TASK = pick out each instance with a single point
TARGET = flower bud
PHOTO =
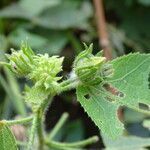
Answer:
(21, 61)
(45, 70)
(88, 67)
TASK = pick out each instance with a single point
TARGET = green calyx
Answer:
(91, 69)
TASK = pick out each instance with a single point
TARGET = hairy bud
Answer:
(21, 61)
(91, 69)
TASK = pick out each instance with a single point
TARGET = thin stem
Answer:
(62, 148)
(19, 121)
(74, 42)
(102, 28)
(70, 86)
(68, 81)
(33, 131)
(73, 144)
(21, 143)
(12, 97)
(40, 130)
(58, 126)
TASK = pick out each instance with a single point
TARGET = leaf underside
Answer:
(131, 79)
(7, 140)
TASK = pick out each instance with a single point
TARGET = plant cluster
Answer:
(92, 76)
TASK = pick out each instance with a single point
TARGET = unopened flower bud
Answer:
(88, 67)
(21, 61)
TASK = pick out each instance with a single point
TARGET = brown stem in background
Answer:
(102, 29)
(104, 39)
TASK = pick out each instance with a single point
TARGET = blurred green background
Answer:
(59, 27)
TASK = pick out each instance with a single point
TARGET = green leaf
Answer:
(51, 14)
(14, 11)
(101, 111)
(26, 8)
(3, 43)
(144, 2)
(66, 14)
(35, 41)
(7, 139)
(126, 143)
(40, 5)
(51, 43)
(131, 77)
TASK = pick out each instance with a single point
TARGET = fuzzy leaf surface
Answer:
(131, 79)
(101, 111)
(7, 139)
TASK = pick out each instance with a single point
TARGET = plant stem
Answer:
(58, 126)
(74, 42)
(16, 102)
(70, 86)
(73, 144)
(21, 143)
(68, 81)
(40, 130)
(19, 121)
(33, 131)
(102, 28)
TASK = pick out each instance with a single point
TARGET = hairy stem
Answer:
(33, 131)
(58, 126)
(19, 121)
(70, 86)
(40, 130)
(68, 81)
(73, 144)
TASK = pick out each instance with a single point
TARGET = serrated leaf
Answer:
(7, 139)
(101, 111)
(131, 78)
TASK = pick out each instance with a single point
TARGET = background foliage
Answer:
(59, 27)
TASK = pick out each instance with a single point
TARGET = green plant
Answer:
(102, 87)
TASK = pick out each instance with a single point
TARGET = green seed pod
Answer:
(88, 67)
